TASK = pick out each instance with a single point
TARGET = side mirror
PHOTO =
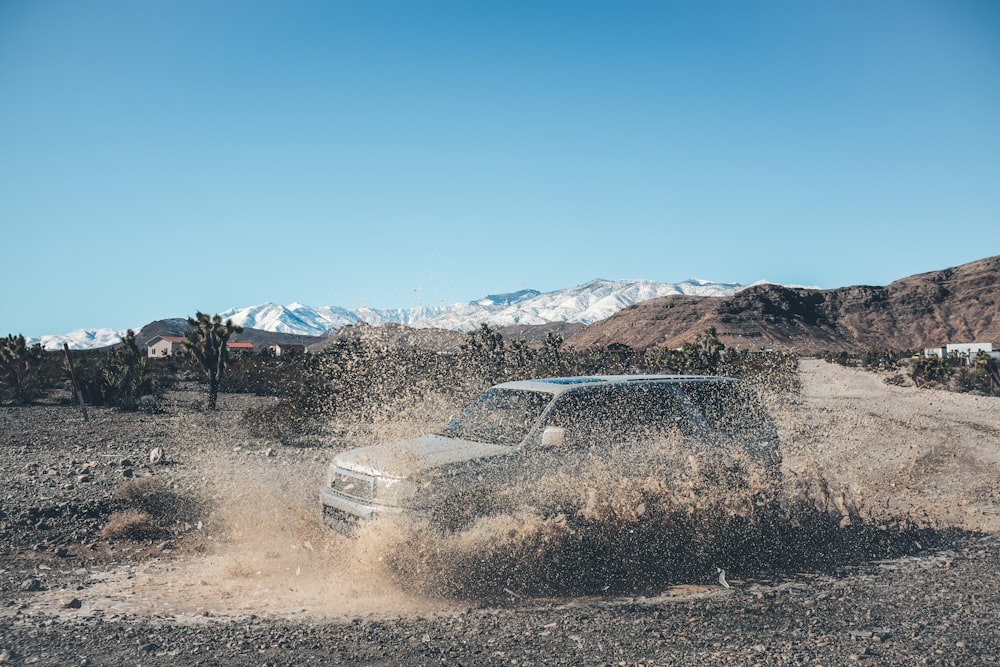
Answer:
(553, 437)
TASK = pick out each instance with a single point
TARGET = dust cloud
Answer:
(261, 551)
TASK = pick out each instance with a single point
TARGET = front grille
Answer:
(357, 486)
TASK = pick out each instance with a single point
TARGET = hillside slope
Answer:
(957, 304)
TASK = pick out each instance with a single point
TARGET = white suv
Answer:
(517, 430)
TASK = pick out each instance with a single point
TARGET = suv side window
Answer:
(728, 407)
(619, 415)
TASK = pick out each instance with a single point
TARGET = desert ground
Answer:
(248, 574)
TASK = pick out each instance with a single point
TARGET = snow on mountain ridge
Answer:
(595, 300)
(80, 339)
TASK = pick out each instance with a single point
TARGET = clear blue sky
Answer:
(158, 158)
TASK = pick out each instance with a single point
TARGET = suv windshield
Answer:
(499, 417)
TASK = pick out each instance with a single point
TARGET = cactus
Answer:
(205, 340)
(125, 375)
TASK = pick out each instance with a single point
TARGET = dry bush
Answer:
(148, 503)
(133, 525)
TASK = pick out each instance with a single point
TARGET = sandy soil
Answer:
(257, 579)
(897, 451)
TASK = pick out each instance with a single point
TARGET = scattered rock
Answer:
(32, 584)
(156, 456)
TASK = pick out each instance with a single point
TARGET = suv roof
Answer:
(559, 385)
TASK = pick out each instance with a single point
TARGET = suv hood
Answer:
(407, 457)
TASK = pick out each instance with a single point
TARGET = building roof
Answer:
(171, 339)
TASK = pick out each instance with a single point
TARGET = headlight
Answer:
(354, 485)
(396, 491)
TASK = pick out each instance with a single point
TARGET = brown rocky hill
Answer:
(956, 305)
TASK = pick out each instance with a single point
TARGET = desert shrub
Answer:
(928, 371)
(125, 377)
(133, 525)
(954, 374)
(896, 380)
(872, 358)
(147, 509)
(20, 366)
(841, 358)
(882, 358)
(972, 379)
(120, 377)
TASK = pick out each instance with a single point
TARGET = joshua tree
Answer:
(705, 352)
(553, 349)
(19, 365)
(205, 340)
(485, 351)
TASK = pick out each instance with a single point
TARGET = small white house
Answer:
(164, 346)
(168, 346)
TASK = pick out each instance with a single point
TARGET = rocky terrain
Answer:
(236, 567)
(955, 305)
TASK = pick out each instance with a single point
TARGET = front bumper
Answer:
(345, 514)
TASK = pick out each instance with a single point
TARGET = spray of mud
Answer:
(621, 530)
(616, 524)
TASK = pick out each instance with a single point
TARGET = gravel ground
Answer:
(251, 577)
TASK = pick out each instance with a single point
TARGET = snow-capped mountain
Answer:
(81, 339)
(295, 318)
(593, 301)
(590, 302)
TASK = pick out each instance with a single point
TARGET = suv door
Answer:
(618, 415)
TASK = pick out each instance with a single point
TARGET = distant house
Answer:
(168, 346)
(964, 351)
(281, 349)
(164, 346)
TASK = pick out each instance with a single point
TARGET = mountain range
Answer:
(583, 304)
(953, 305)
